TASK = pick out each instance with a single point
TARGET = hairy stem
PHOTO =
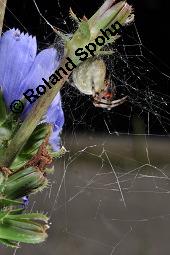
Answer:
(2, 13)
(31, 121)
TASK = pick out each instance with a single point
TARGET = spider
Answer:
(89, 78)
(105, 99)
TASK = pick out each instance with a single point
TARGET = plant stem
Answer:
(2, 13)
(31, 121)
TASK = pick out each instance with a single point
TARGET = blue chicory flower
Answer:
(21, 68)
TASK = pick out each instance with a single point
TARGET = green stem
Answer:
(2, 13)
(84, 34)
(31, 121)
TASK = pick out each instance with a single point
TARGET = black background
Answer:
(152, 21)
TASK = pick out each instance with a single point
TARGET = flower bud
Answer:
(108, 14)
(23, 182)
(27, 228)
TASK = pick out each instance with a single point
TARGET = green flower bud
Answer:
(27, 228)
(108, 14)
(23, 182)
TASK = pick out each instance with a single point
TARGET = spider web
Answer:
(110, 193)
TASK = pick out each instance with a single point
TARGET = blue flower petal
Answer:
(46, 62)
(17, 54)
(55, 116)
(21, 69)
(44, 65)
(55, 140)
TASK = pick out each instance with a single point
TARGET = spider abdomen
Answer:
(90, 74)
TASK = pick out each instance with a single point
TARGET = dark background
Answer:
(152, 21)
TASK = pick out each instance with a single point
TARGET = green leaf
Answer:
(30, 216)
(2, 178)
(84, 30)
(9, 243)
(3, 110)
(32, 145)
(8, 127)
(8, 202)
(58, 154)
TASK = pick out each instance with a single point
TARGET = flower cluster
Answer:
(22, 68)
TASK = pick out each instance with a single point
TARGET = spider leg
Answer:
(118, 101)
(103, 103)
(100, 105)
(99, 100)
